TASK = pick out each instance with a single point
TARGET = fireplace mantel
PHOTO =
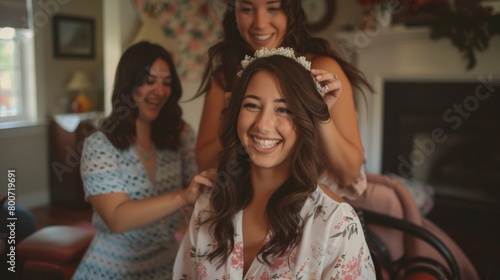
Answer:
(405, 54)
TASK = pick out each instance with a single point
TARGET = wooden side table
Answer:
(66, 136)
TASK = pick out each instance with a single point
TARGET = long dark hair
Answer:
(233, 191)
(131, 73)
(224, 57)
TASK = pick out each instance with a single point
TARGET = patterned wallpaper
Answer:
(185, 28)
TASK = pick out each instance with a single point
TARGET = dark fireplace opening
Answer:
(446, 134)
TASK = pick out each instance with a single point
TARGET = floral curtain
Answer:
(186, 28)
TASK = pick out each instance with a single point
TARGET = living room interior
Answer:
(431, 119)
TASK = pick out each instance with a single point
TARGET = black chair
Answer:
(406, 266)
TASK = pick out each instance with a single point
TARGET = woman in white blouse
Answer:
(266, 217)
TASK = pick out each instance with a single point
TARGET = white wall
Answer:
(25, 150)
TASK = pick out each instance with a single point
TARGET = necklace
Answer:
(144, 154)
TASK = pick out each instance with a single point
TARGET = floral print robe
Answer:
(333, 246)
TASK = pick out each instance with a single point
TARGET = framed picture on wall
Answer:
(74, 37)
(319, 13)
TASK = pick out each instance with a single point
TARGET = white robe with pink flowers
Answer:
(333, 246)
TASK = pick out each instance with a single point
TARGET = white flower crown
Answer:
(288, 52)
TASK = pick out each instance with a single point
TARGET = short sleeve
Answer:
(189, 165)
(99, 166)
(351, 191)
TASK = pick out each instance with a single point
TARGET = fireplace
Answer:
(446, 134)
(417, 81)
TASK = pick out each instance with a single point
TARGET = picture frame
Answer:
(74, 37)
(319, 13)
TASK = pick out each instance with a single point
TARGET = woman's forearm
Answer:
(340, 136)
(344, 159)
(121, 214)
(208, 145)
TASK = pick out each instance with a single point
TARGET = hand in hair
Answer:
(332, 81)
(324, 78)
(195, 187)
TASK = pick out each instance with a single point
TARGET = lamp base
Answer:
(81, 103)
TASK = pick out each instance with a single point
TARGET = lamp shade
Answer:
(79, 82)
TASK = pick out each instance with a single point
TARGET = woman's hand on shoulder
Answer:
(204, 179)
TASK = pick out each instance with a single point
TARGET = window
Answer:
(10, 72)
(17, 94)
(17, 71)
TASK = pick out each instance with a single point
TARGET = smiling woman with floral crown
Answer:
(266, 217)
(254, 24)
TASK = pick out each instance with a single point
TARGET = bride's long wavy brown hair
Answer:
(233, 190)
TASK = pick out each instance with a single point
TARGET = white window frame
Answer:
(24, 78)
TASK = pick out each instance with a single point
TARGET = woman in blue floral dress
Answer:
(138, 171)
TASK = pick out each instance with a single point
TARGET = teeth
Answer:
(265, 144)
(262, 37)
(151, 102)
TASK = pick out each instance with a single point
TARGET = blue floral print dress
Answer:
(147, 252)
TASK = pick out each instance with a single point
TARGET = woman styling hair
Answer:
(253, 24)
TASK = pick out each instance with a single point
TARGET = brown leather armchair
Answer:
(54, 252)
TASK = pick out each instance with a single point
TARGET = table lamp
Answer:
(80, 83)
